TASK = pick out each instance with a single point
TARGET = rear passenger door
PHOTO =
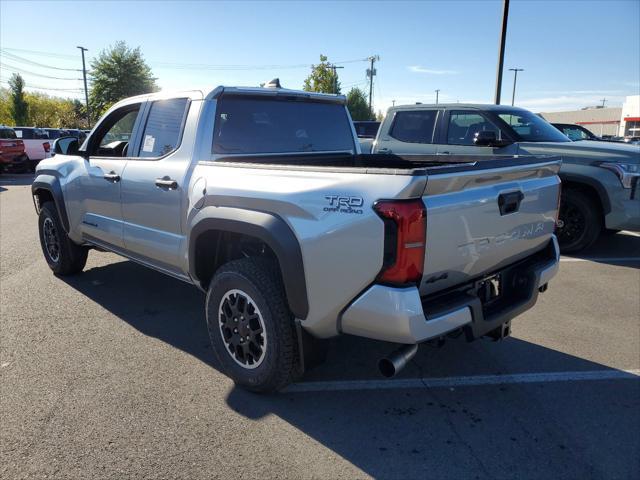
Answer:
(411, 132)
(153, 186)
(459, 128)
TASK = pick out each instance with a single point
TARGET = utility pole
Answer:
(515, 79)
(603, 100)
(335, 78)
(393, 103)
(86, 92)
(503, 39)
(371, 72)
(437, 95)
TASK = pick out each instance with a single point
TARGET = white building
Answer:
(630, 119)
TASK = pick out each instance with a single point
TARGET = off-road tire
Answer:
(71, 258)
(580, 220)
(260, 280)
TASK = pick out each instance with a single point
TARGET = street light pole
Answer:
(503, 39)
(86, 92)
(437, 95)
(515, 80)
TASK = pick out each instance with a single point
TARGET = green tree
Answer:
(358, 105)
(322, 78)
(118, 72)
(19, 108)
(5, 107)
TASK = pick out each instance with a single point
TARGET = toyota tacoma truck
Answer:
(600, 180)
(261, 198)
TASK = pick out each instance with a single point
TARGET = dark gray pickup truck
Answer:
(599, 179)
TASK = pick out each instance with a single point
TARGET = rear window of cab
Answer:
(253, 125)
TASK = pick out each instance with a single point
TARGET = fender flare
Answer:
(51, 184)
(273, 231)
(591, 182)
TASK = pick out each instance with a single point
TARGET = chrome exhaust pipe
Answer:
(390, 365)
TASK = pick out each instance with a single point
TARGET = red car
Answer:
(12, 154)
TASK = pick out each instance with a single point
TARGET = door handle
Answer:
(384, 150)
(444, 153)
(111, 177)
(509, 202)
(166, 182)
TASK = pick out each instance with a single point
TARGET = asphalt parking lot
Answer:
(109, 374)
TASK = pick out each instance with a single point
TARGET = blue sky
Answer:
(574, 52)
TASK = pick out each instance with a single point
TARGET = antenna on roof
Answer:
(275, 83)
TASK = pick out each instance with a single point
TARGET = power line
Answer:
(16, 58)
(39, 87)
(206, 66)
(199, 66)
(36, 52)
(28, 72)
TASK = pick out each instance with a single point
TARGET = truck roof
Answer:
(215, 92)
(450, 106)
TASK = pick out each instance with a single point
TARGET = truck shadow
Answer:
(443, 433)
(11, 179)
(609, 248)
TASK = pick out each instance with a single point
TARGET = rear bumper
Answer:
(399, 314)
(15, 162)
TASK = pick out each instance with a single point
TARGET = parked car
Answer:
(576, 132)
(12, 156)
(366, 132)
(259, 197)
(36, 144)
(79, 134)
(599, 179)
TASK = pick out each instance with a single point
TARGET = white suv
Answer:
(36, 144)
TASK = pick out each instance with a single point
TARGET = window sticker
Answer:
(149, 142)
(19, 133)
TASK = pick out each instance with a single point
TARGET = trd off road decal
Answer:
(344, 204)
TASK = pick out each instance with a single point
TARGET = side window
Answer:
(463, 127)
(164, 127)
(414, 126)
(113, 134)
(574, 133)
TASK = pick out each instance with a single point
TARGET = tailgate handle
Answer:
(510, 202)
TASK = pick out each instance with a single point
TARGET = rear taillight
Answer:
(405, 235)
(47, 147)
(558, 207)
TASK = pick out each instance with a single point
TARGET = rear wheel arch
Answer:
(236, 233)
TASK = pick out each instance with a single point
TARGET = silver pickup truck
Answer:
(261, 198)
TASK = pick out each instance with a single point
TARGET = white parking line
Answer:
(450, 382)
(601, 259)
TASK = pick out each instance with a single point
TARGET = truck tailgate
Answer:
(482, 218)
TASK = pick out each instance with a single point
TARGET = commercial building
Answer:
(616, 121)
(630, 122)
(600, 121)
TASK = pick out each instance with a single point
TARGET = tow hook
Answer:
(543, 288)
(390, 365)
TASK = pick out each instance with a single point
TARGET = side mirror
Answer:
(66, 146)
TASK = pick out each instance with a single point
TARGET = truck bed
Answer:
(381, 163)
